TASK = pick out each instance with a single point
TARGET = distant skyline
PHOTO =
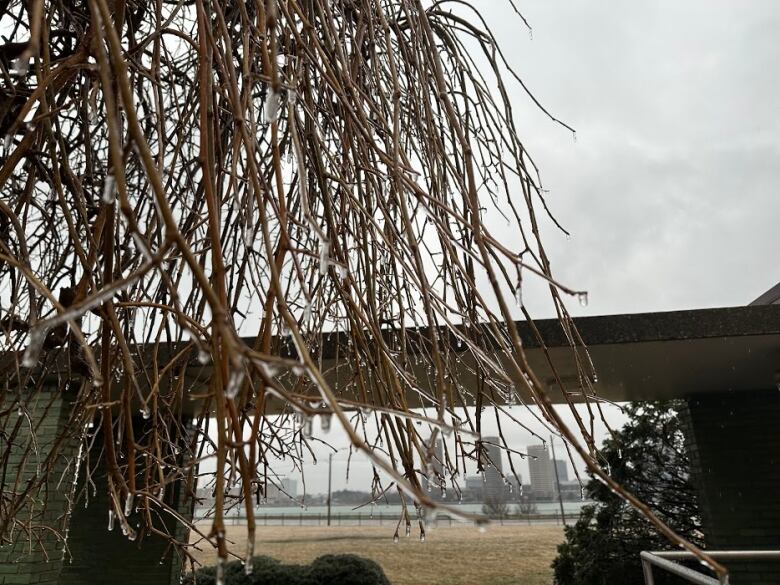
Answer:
(358, 477)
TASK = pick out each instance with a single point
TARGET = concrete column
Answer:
(734, 445)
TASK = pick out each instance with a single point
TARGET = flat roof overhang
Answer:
(645, 356)
(654, 356)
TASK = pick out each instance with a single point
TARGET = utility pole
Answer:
(557, 480)
(330, 474)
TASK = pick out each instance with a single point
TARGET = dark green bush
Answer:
(647, 457)
(345, 570)
(325, 570)
(265, 571)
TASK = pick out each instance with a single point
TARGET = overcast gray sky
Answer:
(671, 189)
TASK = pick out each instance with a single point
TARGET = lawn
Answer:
(461, 555)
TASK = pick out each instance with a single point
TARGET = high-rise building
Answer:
(563, 470)
(541, 471)
(290, 486)
(493, 489)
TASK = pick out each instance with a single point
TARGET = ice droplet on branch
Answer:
(324, 257)
(20, 66)
(129, 504)
(33, 352)
(109, 190)
(234, 384)
(272, 107)
(326, 421)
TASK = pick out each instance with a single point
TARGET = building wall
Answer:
(93, 554)
(563, 470)
(100, 557)
(35, 551)
(541, 471)
(734, 444)
(493, 488)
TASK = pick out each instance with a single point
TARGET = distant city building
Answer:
(541, 471)
(285, 490)
(474, 486)
(493, 489)
(563, 470)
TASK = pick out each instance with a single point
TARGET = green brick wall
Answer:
(95, 555)
(102, 557)
(34, 556)
(734, 443)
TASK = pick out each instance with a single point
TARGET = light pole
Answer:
(330, 477)
(557, 479)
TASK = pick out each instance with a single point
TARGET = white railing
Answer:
(667, 560)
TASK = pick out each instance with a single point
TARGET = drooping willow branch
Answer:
(277, 208)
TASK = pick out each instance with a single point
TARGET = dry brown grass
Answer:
(502, 555)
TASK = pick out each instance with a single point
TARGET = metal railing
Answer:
(367, 519)
(667, 560)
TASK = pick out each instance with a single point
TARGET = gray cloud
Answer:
(671, 188)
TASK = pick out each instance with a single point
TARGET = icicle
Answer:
(582, 297)
(325, 422)
(146, 413)
(33, 352)
(395, 538)
(324, 257)
(110, 520)
(234, 384)
(129, 504)
(204, 357)
(7, 142)
(272, 107)
(408, 530)
(109, 190)
(308, 427)
(248, 236)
